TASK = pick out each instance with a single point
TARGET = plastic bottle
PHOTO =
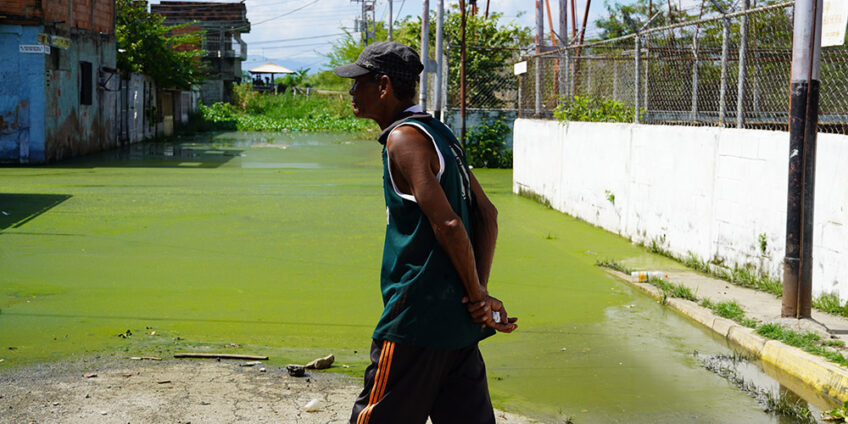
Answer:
(643, 276)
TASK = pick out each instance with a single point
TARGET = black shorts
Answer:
(406, 384)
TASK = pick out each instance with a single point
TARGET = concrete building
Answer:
(223, 24)
(58, 96)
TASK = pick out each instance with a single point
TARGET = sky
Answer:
(295, 33)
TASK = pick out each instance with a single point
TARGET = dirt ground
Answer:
(175, 391)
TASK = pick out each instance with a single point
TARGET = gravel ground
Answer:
(175, 391)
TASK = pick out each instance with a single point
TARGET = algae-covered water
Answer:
(270, 244)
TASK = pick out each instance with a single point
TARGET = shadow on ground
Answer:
(18, 209)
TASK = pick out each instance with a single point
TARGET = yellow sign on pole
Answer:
(834, 21)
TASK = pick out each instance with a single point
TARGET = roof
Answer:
(270, 68)
(176, 12)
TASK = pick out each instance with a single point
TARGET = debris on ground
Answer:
(89, 375)
(219, 356)
(145, 358)
(321, 363)
(296, 370)
(314, 405)
(251, 363)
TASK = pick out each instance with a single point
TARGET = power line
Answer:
(292, 46)
(296, 39)
(285, 14)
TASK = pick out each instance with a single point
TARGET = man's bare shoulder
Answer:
(407, 136)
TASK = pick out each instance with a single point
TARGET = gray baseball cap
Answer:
(384, 57)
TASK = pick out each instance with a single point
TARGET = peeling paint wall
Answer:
(73, 128)
(21, 96)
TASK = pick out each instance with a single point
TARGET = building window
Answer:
(86, 83)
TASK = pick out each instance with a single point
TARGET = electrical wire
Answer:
(296, 39)
(285, 14)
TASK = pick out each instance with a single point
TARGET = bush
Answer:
(590, 109)
(485, 146)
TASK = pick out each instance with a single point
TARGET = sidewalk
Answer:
(810, 373)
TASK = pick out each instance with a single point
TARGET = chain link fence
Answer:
(729, 69)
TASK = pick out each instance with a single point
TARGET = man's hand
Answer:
(481, 313)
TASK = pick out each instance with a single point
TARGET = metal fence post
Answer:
(743, 53)
(636, 57)
(538, 86)
(520, 89)
(647, 67)
(695, 63)
(562, 77)
(569, 76)
(725, 41)
(615, 80)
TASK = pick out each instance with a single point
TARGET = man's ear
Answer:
(385, 86)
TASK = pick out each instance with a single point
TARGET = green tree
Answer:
(492, 47)
(169, 55)
(615, 25)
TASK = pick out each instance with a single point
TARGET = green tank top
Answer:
(421, 289)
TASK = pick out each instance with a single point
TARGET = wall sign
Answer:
(834, 20)
(34, 49)
(519, 68)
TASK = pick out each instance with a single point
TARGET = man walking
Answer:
(440, 241)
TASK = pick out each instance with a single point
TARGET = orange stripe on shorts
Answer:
(380, 380)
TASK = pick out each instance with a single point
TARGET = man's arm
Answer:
(414, 165)
(485, 223)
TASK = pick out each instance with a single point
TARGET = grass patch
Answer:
(613, 264)
(729, 310)
(839, 415)
(808, 342)
(670, 289)
(740, 276)
(830, 303)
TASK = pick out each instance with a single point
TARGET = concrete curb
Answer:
(818, 373)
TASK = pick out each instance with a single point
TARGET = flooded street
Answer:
(271, 243)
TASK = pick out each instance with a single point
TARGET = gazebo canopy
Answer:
(270, 68)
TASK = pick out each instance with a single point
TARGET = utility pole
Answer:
(563, 23)
(540, 38)
(391, 20)
(462, 71)
(425, 52)
(803, 126)
(440, 17)
(367, 35)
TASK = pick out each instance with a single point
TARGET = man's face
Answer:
(366, 93)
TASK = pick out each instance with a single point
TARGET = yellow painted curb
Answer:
(814, 371)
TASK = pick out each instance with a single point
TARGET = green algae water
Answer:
(270, 244)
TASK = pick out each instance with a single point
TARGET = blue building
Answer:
(58, 82)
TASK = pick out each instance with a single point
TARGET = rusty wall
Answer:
(73, 127)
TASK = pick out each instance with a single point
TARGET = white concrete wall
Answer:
(708, 191)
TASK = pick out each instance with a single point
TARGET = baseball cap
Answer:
(384, 57)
